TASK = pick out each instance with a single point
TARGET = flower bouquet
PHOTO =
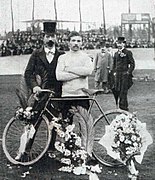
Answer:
(26, 114)
(73, 151)
(126, 139)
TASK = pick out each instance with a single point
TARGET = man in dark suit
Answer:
(123, 67)
(40, 70)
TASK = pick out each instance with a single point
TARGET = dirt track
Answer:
(141, 100)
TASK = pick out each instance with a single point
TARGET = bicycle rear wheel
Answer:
(11, 142)
(99, 151)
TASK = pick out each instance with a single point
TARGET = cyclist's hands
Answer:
(36, 90)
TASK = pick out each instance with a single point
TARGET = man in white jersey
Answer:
(73, 69)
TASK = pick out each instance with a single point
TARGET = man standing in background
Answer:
(102, 65)
(123, 67)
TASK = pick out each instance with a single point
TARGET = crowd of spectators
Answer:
(21, 43)
(25, 42)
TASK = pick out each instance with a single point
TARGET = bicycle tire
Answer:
(11, 142)
(99, 152)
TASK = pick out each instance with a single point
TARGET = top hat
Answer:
(49, 27)
(121, 39)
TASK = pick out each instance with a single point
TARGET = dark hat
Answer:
(121, 39)
(49, 27)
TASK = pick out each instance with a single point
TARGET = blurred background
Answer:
(102, 20)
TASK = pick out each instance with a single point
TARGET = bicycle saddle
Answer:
(92, 92)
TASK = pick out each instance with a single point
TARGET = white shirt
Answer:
(50, 53)
(73, 69)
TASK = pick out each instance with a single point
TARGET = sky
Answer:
(69, 10)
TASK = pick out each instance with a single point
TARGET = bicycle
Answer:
(37, 146)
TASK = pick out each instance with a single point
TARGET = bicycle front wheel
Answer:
(99, 151)
(11, 142)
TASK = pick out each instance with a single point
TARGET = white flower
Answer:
(78, 141)
(135, 144)
(20, 110)
(119, 131)
(60, 146)
(60, 133)
(67, 152)
(66, 161)
(67, 136)
(138, 139)
(66, 169)
(133, 138)
(70, 128)
(122, 138)
(128, 152)
(120, 117)
(127, 141)
(28, 109)
(27, 113)
(82, 153)
(79, 170)
(74, 134)
(83, 170)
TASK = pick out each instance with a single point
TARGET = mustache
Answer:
(50, 43)
(76, 46)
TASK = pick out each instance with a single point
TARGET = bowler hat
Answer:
(49, 27)
(121, 39)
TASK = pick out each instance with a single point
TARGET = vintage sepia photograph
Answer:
(77, 89)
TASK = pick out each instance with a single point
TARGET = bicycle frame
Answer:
(91, 99)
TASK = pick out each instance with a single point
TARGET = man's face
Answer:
(120, 45)
(49, 40)
(103, 49)
(75, 43)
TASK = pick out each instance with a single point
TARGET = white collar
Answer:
(47, 50)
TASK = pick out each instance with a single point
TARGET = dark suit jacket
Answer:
(124, 61)
(39, 72)
(121, 75)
